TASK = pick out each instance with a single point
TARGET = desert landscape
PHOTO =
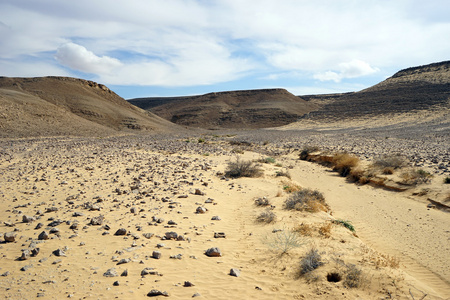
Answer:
(237, 194)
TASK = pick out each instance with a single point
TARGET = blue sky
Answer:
(142, 48)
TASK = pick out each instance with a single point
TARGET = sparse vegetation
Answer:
(283, 173)
(267, 217)
(239, 168)
(306, 200)
(290, 187)
(391, 162)
(267, 160)
(311, 261)
(201, 140)
(414, 177)
(353, 276)
(346, 224)
(284, 240)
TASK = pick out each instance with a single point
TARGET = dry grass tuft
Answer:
(310, 262)
(391, 162)
(290, 187)
(325, 230)
(263, 201)
(306, 200)
(304, 229)
(283, 173)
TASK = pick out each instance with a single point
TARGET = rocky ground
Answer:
(143, 216)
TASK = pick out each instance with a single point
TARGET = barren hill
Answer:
(48, 106)
(234, 109)
(413, 89)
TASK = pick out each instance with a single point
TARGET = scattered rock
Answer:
(235, 272)
(218, 235)
(124, 273)
(199, 192)
(148, 235)
(10, 237)
(188, 284)
(216, 218)
(59, 252)
(154, 293)
(28, 219)
(121, 231)
(111, 273)
(97, 220)
(124, 261)
(156, 254)
(171, 235)
(213, 252)
(116, 283)
(201, 210)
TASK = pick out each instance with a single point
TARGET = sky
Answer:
(149, 48)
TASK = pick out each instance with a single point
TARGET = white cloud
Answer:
(79, 58)
(353, 69)
(193, 42)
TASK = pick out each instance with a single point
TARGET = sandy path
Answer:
(388, 222)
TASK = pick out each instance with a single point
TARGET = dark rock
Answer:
(28, 219)
(59, 252)
(201, 210)
(219, 235)
(235, 272)
(97, 220)
(188, 284)
(10, 237)
(171, 235)
(111, 273)
(124, 261)
(156, 254)
(116, 283)
(154, 293)
(148, 235)
(121, 231)
(213, 252)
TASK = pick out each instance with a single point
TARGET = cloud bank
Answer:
(194, 42)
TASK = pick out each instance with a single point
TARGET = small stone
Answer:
(188, 284)
(196, 295)
(172, 222)
(124, 273)
(74, 226)
(235, 272)
(124, 261)
(171, 235)
(148, 235)
(156, 254)
(24, 268)
(160, 245)
(148, 271)
(116, 283)
(59, 252)
(110, 273)
(39, 226)
(97, 220)
(10, 237)
(154, 293)
(121, 231)
(218, 235)
(28, 219)
(216, 218)
(25, 254)
(213, 252)
(201, 210)
(6, 274)
(133, 210)
(199, 192)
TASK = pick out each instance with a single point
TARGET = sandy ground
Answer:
(155, 187)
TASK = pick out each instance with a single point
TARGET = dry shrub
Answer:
(310, 262)
(262, 202)
(304, 229)
(353, 276)
(306, 200)
(267, 217)
(358, 175)
(284, 240)
(380, 260)
(283, 173)
(392, 161)
(304, 154)
(239, 168)
(414, 177)
(325, 230)
(344, 163)
(388, 171)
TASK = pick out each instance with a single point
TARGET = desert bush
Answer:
(392, 161)
(239, 168)
(311, 261)
(262, 202)
(346, 224)
(201, 140)
(267, 160)
(306, 200)
(267, 216)
(325, 230)
(304, 229)
(414, 177)
(284, 240)
(344, 163)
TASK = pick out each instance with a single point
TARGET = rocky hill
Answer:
(413, 89)
(48, 106)
(234, 109)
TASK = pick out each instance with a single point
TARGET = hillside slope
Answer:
(234, 109)
(47, 106)
(413, 89)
